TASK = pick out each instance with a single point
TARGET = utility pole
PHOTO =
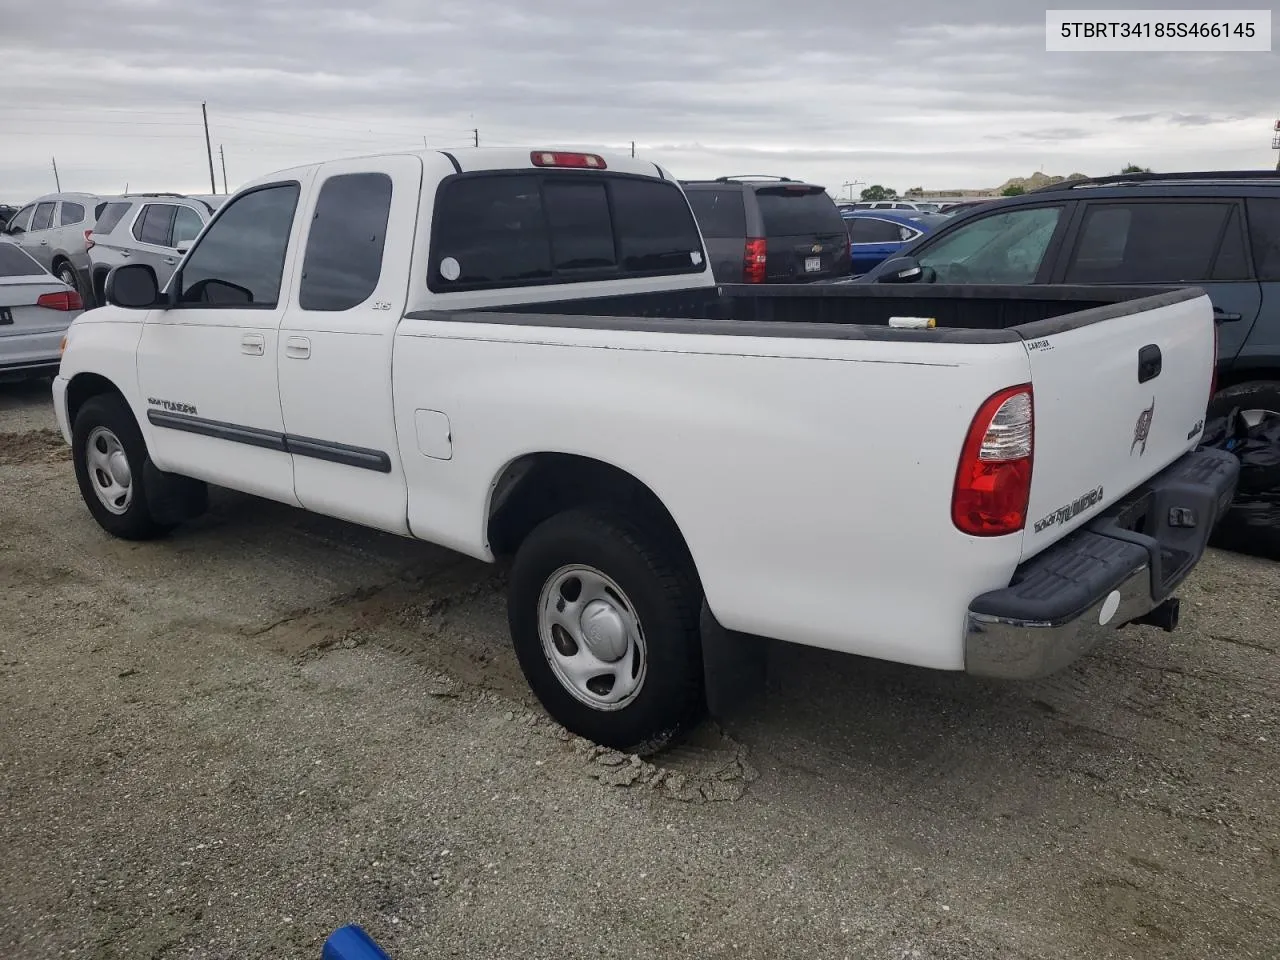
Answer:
(633, 148)
(208, 146)
(223, 157)
(56, 181)
(476, 137)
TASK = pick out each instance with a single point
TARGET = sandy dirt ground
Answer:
(230, 742)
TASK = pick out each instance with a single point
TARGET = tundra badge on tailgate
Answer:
(1142, 429)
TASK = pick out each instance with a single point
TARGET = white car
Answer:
(524, 354)
(36, 308)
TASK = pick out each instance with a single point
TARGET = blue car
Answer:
(876, 235)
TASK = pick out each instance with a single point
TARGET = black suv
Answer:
(1218, 231)
(769, 229)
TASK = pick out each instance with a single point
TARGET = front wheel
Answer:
(604, 619)
(110, 459)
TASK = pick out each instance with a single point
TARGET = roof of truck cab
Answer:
(471, 159)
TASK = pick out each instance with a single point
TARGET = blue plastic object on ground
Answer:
(352, 943)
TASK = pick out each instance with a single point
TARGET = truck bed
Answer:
(963, 313)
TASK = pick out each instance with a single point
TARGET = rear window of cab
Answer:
(522, 229)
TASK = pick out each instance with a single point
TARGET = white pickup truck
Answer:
(524, 355)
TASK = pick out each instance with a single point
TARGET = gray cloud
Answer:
(958, 96)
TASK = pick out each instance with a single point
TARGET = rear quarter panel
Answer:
(812, 479)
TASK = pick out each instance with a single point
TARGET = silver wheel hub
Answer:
(591, 637)
(1253, 418)
(603, 631)
(108, 468)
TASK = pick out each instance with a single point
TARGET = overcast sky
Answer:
(958, 94)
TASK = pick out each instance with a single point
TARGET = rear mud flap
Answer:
(735, 667)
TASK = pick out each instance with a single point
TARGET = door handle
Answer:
(44, 243)
(253, 344)
(1222, 316)
(1150, 363)
(297, 348)
(126, 254)
(170, 260)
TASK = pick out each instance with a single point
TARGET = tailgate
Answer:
(1116, 401)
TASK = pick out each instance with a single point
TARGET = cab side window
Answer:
(343, 261)
(239, 262)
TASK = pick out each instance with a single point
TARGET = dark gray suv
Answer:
(769, 229)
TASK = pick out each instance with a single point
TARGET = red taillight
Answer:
(754, 258)
(88, 239)
(554, 158)
(70, 300)
(993, 481)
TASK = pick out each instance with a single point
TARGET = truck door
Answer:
(336, 340)
(207, 364)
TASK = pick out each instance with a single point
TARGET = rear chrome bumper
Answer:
(1118, 568)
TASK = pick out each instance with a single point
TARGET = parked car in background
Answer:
(55, 230)
(890, 205)
(769, 229)
(6, 213)
(963, 206)
(875, 235)
(1218, 231)
(35, 310)
(149, 228)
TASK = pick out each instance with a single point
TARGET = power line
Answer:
(220, 118)
(92, 109)
(120, 123)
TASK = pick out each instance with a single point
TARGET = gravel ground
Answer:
(228, 743)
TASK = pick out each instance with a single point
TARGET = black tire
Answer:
(100, 289)
(67, 274)
(659, 583)
(1253, 395)
(111, 413)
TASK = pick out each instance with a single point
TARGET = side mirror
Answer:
(132, 286)
(903, 270)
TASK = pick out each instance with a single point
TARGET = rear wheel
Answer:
(67, 274)
(604, 619)
(111, 463)
(1257, 400)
